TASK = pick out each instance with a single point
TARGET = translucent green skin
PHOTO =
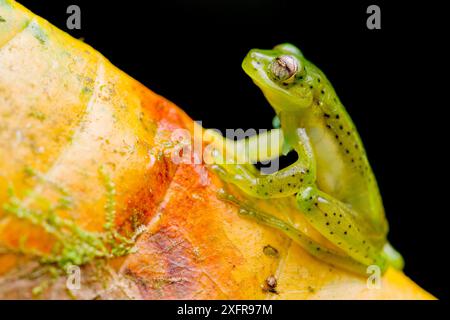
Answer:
(334, 184)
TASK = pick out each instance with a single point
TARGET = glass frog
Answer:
(332, 180)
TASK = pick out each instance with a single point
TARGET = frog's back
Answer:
(342, 166)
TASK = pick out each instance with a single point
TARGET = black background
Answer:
(191, 51)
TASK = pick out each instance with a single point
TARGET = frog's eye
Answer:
(284, 68)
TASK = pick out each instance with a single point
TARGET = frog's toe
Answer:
(226, 172)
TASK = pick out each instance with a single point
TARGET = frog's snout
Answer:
(256, 60)
(259, 57)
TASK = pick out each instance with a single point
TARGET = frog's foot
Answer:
(336, 221)
(242, 175)
(279, 184)
(393, 257)
(282, 183)
(317, 250)
(239, 170)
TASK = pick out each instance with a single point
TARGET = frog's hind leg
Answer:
(338, 223)
(317, 250)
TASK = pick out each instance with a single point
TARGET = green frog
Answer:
(334, 185)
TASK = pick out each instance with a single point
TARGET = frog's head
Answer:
(283, 75)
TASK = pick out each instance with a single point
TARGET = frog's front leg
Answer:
(338, 223)
(278, 184)
(262, 147)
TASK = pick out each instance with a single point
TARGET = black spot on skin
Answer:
(348, 133)
(318, 80)
(327, 223)
(338, 222)
(326, 115)
(325, 214)
(337, 116)
(311, 87)
(347, 151)
(345, 232)
(328, 126)
(341, 127)
(322, 92)
(281, 190)
(331, 232)
(349, 226)
(336, 136)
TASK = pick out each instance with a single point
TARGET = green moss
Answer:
(86, 90)
(37, 115)
(38, 290)
(73, 245)
(37, 32)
